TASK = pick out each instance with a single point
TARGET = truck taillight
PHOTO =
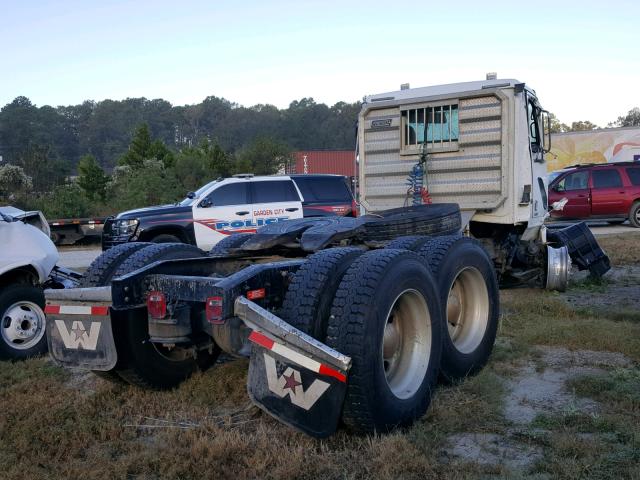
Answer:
(214, 310)
(354, 208)
(157, 304)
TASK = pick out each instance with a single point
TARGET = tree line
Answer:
(136, 152)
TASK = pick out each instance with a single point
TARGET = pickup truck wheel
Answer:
(166, 238)
(146, 364)
(232, 241)
(413, 243)
(22, 322)
(307, 304)
(634, 214)
(99, 274)
(387, 317)
(469, 296)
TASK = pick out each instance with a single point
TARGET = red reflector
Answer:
(330, 372)
(354, 208)
(100, 311)
(157, 304)
(52, 309)
(260, 339)
(214, 310)
(256, 294)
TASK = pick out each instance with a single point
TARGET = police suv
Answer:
(239, 204)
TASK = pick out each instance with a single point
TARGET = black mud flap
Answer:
(297, 396)
(583, 248)
(82, 341)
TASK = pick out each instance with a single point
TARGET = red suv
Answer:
(608, 192)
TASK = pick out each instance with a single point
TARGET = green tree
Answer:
(151, 184)
(139, 149)
(264, 156)
(91, 178)
(582, 125)
(631, 119)
(143, 148)
(65, 201)
(195, 166)
(14, 183)
(556, 125)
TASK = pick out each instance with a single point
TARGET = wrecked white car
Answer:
(27, 263)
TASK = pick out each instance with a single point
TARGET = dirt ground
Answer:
(560, 398)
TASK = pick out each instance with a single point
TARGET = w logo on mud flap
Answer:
(78, 337)
(290, 383)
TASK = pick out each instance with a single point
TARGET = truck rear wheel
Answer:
(146, 364)
(99, 274)
(102, 268)
(387, 317)
(469, 296)
(307, 304)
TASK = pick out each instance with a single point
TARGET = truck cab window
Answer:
(533, 115)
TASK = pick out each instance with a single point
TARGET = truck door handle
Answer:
(291, 209)
(242, 213)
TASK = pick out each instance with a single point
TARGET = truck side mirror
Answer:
(546, 128)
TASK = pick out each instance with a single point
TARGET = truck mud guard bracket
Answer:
(292, 376)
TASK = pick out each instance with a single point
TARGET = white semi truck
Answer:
(482, 146)
(351, 319)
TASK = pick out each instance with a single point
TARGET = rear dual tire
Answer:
(387, 317)
(469, 296)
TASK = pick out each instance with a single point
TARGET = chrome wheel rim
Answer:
(406, 344)
(467, 310)
(23, 325)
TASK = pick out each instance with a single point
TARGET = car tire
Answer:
(466, 277)
(634, 214)
(224, 246)
(387, 317)
(22, 322)
(147, 365)
(307, 304)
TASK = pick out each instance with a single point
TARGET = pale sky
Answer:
(582, 58)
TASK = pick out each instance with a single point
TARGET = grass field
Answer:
(560, 398)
